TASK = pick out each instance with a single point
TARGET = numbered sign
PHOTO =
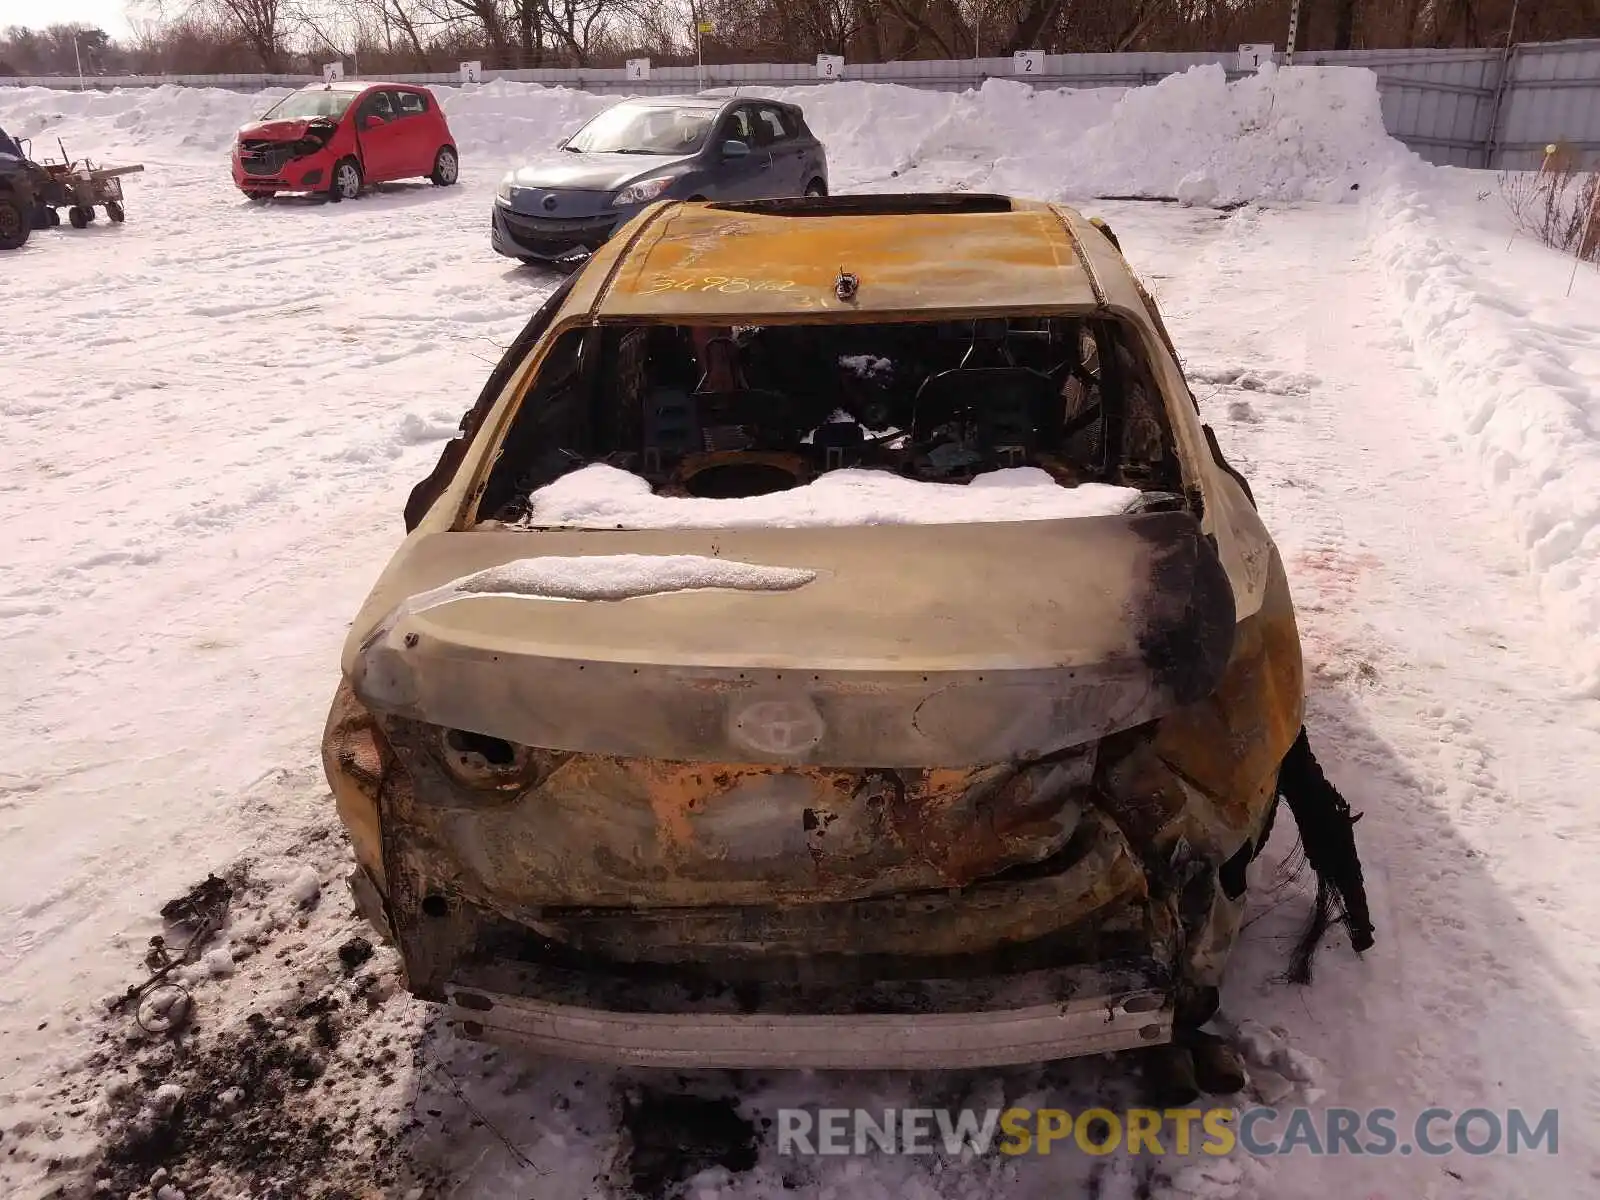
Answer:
(472, 72)
(830, 66)
(705, 27)
(332, 71)
(1027, 62)
(638, 68)
(1253, 54)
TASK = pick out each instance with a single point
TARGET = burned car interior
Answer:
(724, 413)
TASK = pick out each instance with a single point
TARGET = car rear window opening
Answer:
(909, 204)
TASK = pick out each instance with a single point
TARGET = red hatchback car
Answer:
(335, 138)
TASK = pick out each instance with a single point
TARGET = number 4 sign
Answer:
(1027, 62)
(638, 68)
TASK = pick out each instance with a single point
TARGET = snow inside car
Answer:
(833, 640)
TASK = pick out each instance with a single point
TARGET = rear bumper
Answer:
(519, 236)
(1099, 1013)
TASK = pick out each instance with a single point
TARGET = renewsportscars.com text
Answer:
(1260, 1132)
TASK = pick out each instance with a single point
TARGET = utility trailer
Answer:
(79, 187)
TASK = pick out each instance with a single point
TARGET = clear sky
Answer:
(110, 15)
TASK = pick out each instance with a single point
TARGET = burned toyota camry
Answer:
(833, 640)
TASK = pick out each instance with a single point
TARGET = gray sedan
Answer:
(660, 148)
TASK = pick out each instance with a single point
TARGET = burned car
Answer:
(833, 640)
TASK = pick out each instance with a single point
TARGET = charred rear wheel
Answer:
(80, 216)
(446, 167)
(346, 183)
(114, 211)
(816, 188)
(14, 224)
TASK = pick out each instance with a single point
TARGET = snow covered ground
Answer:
(212, 416)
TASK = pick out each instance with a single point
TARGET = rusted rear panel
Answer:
(593, 830)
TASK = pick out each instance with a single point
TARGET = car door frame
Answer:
(787, 154)
(380, 153)
(751, 174)
(418, 142)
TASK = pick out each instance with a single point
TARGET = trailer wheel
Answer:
(114, 211)
(346, 183)
(54, 218)
(80, 216)
(14, 224)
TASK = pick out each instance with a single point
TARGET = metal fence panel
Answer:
(1553, 95)
(1459, 107)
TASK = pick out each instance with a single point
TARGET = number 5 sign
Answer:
(472, 72)
(830, 66)
(1027, 62)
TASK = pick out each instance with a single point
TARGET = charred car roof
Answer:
(787, 259)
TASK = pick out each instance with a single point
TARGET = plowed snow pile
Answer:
(1307, 133)
(1518, 389)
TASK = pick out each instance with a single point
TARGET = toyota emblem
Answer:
(781, 727)
(549, 203)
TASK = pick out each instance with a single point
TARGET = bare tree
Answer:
(259, 23)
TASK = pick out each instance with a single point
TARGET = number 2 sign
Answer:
(1027, 62)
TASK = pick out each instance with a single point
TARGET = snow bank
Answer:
(1303, 133)
(1528, 417)
(602, 497)
(177, 121)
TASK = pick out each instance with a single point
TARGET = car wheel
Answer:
(816, 188)
(14, 224)
(346, 183)
(446, 167)
(80, 216)
(114, 211)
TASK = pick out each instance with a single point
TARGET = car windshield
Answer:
(301, 106)
(644, 129)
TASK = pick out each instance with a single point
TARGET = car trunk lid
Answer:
(901, 646)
